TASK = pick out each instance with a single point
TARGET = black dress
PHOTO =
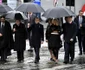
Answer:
(54, 41)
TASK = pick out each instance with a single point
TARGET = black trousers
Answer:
(3, 54)
(83, 43)
(20, 55)
(69, 51)
(37, 55)
(79, 41)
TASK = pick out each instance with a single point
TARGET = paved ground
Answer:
(45, 63)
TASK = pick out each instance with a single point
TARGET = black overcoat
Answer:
(37, 34)
(6, 41)
(82, 29)
(54, 41)
(69, 31)
(20, 37)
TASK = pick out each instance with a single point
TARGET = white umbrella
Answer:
(11, 14)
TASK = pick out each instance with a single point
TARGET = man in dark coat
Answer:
(6, 39)
(37, 37)
(80, 21)
(69, 31)
(31, 18)
(20, 39)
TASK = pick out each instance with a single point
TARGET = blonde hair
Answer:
(55, 22)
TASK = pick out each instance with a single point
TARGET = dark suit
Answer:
(29, 34)
(20, 40)
(69, 31)
(6, 41)
(80, 32)
(37, 37)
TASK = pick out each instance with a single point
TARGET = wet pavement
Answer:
(45, 63)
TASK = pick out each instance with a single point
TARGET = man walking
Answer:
(80, 21)
(69, 31)
(37, 37)
(6, 39)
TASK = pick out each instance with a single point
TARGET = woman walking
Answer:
(54, 42)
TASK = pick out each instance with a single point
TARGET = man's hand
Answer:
(46, 40)
(42, 42)
(28, 25)
(80, 25)
(14, 29)
(71, 39)
(1, 35)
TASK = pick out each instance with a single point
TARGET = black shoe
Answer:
(65, 62)
(3, 60)
(36, 61)
(80, 53)
(20, 61)
(30, 50)
(52, 59)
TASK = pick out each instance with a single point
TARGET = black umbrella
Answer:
(58, 12)
(29, 7)
(4, 8)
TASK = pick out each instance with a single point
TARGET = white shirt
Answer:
(80, 19)
(2, 24)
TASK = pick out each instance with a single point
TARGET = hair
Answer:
(57, 21)
(49, 20)
(37, 18)
(18, 16)
(3, 16)
(80, 11)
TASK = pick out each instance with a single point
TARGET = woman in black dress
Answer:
(54, 41)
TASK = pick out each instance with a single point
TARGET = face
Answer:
(80, 13)
(54, 22)
(2, 19)
(37, 20)
(69, 19)
(17, 22)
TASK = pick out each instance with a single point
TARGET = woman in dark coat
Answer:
(20, 39)
(54, 42)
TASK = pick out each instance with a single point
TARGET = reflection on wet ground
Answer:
(45, 63)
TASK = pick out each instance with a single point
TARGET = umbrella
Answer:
(29, 7)
(84, 13)
(4, 8)
(11, 15)
(58, 12)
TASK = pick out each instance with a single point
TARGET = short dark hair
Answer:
(3, 16)
(80, 11)
(49, 19)
(37, 18)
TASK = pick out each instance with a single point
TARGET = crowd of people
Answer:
(35, 33)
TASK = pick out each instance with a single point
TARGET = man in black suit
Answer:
(31, 18)
(37, 37)
(80, 21)
(69, 31)
(6, 39)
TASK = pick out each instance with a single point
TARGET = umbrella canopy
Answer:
(11, 15)
(4, 8)
(29, 7)
(84, 13)
(58, 12)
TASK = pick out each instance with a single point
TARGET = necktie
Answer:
(2, 26)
